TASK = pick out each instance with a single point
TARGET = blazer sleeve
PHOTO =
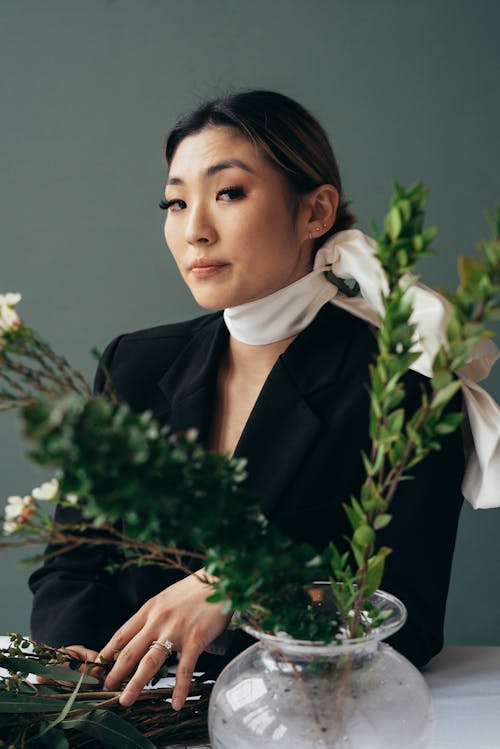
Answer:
(75, 599)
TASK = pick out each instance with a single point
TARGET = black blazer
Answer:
(303, 442)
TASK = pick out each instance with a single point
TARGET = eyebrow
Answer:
(214, 169)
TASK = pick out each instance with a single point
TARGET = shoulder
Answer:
(351, 346)
(148, 352)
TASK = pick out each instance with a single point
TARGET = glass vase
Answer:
(353, 694)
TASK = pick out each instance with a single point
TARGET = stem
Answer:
(479, 314)
(48, 365)
(63, 537)
(397, 473)
(360, 596)
(347, 668)
(72, 376)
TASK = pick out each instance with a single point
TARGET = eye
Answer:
(233, 193)
(166, 204)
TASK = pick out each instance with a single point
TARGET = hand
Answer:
(181, 614)
(81, 653)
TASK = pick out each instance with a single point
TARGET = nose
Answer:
(199, 227)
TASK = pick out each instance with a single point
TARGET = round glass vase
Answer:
(352, 694)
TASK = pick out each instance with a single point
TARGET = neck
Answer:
(254, 360)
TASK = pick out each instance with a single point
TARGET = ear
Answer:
(319, 211)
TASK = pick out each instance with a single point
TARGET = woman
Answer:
(253, 191)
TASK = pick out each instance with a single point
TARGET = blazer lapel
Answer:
(190, 383)
(282, 427)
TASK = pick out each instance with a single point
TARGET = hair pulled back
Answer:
(289, 137)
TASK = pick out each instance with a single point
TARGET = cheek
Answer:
(167, 233)
(263, 228)
(172, 240)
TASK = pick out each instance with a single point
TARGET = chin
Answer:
(210, 302)
(216, 299)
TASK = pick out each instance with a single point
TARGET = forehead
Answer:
(213, 145)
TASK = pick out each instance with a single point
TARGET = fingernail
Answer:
(125, 700)
(176, 703)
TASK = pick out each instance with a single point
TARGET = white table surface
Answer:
(465, 687)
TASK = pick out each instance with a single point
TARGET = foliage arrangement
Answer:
(158, 498)
(398, 442)
(69, 709)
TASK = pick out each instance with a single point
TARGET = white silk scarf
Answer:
(352, 255)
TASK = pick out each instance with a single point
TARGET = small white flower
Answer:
(47, 491)
(9, 527)
(152, 432)
(71, 498)
(16, 506)
(10, 299)
(9, 319)
(14, 509)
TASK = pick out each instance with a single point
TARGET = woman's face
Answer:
(229, 224)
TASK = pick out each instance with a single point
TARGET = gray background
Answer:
(88, 92)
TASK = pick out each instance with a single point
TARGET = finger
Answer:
(150, 664)
(122, 637)
(184, 674)
(88, 657)
(78, 653)
(129, 656)
(81, 652)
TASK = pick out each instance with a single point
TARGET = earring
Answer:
(317, 228)
(324, 226)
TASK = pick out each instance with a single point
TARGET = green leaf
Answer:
(429, 234)
(375, 571)
(354, 512)
(367, 464)
(54, 739)
(357, 554)
(402, 257)
(66, 707)
(363, 536)
(418, 242)
(449, 423)
(405, 209)
(470, 271)
(441, 379)
(22, 703)
(49, 671)
(395, 421)
(445, 394)
(379, 459)
(110, 730)
(381, 521)
(393, 223)
(357, 508)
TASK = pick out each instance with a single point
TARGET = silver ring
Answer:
(166, 646)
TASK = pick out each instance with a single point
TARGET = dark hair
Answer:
(289, 137)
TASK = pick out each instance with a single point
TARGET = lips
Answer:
(206, 262)
(205, 267)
